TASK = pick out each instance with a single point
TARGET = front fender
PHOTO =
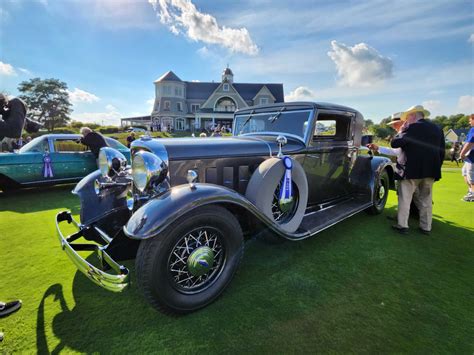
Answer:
(159, 213)
(94, 208)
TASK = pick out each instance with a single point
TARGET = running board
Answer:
(315, 222)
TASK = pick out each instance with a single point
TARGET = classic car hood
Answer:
(212, 147)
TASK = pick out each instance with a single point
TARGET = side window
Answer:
(68, 146)
(332, 126)
(38, 146)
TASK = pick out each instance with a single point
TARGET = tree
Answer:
(47, 101)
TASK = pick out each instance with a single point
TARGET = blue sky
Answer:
(376, 56)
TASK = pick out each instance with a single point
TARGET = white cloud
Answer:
(360, 65)
(301, 93)
(25, 71)
(471, 38)
(434, 106)
(7, 69)
(79, 95)
(110, 117)
(181, 16)
(466, 104)
(150, 104)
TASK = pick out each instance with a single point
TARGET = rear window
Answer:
(332, 126)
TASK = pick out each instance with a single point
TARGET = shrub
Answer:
(109, 129)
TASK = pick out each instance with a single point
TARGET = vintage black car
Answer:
(185, 206)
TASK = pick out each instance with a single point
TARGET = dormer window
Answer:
(263, 100)
(225, 87)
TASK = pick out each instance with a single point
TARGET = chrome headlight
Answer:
(111, 161)
(147, 170)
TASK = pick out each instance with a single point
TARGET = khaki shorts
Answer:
(468, 172)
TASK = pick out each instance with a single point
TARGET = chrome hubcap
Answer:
(200, 261)
(381, 192)
(197, 260)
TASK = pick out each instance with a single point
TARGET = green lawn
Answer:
(356, 287)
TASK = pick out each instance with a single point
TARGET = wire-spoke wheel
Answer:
(190, 263)
(281, 214)
(197, 260)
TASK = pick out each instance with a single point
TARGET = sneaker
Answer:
(400, 229)
(469, 197)
(9, 307)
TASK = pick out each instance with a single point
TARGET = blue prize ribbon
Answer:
(286, 190)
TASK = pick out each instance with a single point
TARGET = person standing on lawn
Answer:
(396, 123)
(467, 154)
(424, 147)
(130, 139)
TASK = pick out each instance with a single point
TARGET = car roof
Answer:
(297, 105)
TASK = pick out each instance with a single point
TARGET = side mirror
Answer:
(367, 139)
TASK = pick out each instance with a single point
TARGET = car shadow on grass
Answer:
(293, 294)
(39, 199)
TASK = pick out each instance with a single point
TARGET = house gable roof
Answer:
(264, 91)
(203, 90)
(168, 76)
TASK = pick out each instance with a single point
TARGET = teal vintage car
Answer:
(49, 160)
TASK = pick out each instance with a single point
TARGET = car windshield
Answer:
(291, 122)
(112, 143)
(37, 145)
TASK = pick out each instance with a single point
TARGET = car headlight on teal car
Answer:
(111, 162)
(148, 170)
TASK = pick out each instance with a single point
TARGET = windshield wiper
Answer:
(246, 121)
(274, 118)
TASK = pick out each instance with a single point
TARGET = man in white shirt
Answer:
(396, 124)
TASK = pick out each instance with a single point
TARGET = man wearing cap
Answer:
(423, 145)
(396, 123)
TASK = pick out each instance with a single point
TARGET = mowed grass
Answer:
(356, 287)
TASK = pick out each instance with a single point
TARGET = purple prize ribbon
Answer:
(47, 166)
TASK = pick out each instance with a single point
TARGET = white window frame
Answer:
(195, 108)
(264, 100)
(167, 105)
(225, 87)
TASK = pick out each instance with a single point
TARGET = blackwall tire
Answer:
(264, 182)
(154, 259)
(380, 199)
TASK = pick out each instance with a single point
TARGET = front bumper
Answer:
(113, 282)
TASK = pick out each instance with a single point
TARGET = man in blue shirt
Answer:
(467, 154)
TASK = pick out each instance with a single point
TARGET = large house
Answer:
(456, 135)
(190, 105)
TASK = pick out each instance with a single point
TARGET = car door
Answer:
(329, 155)
(26, 166)
(71, 160)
